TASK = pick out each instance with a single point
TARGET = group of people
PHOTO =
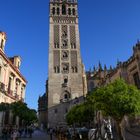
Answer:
(102, 130)
(14, 133)
(59, 133)
(62, 133)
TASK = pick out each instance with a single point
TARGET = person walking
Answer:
(5, 133)
(51, 133)
(15, 134)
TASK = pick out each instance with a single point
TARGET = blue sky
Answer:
(108, 31)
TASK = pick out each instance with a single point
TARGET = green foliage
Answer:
(80, 113)
(4, 106)
(117, 99)
(20, 109)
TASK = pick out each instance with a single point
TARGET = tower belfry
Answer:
(66, 71)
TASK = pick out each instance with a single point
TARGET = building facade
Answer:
(12, 82)
(128, 70)
(42, 109)
(67, 79)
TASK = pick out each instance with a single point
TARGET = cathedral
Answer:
(67, 80)
(128, 70)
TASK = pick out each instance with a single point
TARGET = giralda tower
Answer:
(66, 74)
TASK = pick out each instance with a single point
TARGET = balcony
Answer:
(12, 95)
(9, 92)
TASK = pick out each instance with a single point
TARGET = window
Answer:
(1, 44)
(18, 65)
(74, 69)
(65, 68)
(136, 80)
(73, 11)
(9, 84)
(73, 46)
(66, 96)
(22, 92)
(63, 9)
(56, 45)
(69, 11)
(53, 11)
(65, 81)
(64, 55)
(64, 35)
(56, 69)
(65, 44)
(58, 11)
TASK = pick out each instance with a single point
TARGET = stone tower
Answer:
(66, 72)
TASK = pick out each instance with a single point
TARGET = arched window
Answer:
(63, 9)
(69, 11)
(73, 11)
(53, 11)
(64, 43)
(66, 96)
(58, 11)
(65, 81)
(65, 55)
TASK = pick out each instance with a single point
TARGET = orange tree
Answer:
(117, 99)
(20, 109)
(79, 114)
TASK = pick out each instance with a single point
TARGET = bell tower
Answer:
(65, 81)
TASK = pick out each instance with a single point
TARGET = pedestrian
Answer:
(5, 133)
(15, 134)
(25, 131)
(20, 130)
(51, 133)
(30, 130)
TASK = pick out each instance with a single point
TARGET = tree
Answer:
(117, 99)
(81, 113)
(20, 109)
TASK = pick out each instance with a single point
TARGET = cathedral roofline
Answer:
(64, 1)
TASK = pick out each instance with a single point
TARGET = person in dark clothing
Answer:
(30, 131)
(5, 133)
(51, 133)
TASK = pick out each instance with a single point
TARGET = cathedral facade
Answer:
(128, 70)
(66, 81)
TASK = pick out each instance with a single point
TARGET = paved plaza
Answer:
(41, 135)
(38, 135)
